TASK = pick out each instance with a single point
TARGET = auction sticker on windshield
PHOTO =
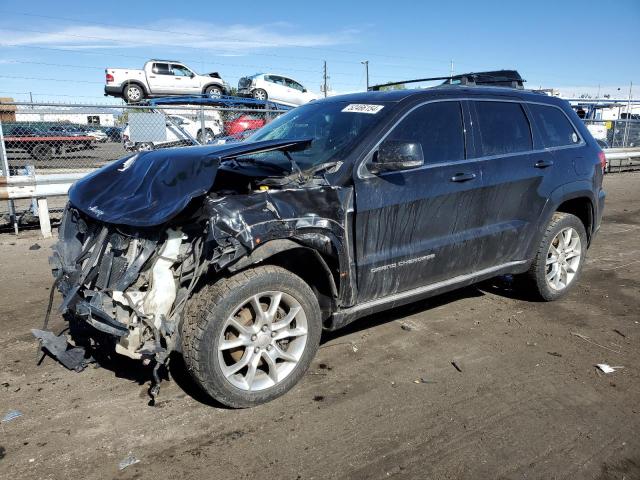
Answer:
(363, 108)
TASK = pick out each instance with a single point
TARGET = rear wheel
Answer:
(133, 93)
(560, 258)
(207, 137)
(250, 338)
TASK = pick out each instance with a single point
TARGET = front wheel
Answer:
(248, 339)
(260, 94)
(42, 152)
(560, 257)
(213, 91)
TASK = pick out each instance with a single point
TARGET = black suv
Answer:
(238, 256)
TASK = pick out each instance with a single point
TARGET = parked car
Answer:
(239, 255)
(161, 78)
(180, 131)
(242, 123)
(278, 88)
(114, 133)
(80, 131)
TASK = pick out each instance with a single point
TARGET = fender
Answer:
(568, 191)
(274, 247)
(210, 84)
(135, 82)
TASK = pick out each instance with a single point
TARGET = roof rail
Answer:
(500, 78)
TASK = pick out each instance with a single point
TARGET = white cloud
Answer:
(228, 39)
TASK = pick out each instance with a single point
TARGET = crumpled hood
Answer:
(150, 188)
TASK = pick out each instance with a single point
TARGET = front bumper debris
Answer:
(73, 358)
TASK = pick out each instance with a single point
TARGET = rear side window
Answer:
(503, 127)
(161, 69)
(438, 127)
(555, 128)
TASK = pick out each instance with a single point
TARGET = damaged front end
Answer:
(140, 234)
(124, 282)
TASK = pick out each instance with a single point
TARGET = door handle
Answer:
(463, 177)
(152, 76)
(543, 163)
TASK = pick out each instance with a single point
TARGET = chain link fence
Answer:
(615, 133)
(45, 138)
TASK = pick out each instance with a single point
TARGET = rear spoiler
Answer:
(499, 78)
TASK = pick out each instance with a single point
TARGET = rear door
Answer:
(161, 78)
(515, 179)
(416, 227)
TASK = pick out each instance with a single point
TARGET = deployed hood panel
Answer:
(150, 188)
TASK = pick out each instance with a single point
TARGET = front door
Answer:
(416, 227)
(185, 81)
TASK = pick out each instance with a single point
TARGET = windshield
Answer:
(335, 128)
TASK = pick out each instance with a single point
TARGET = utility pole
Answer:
(366, 71)
(451, 69)
(324, 78)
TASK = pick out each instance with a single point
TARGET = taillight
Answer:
(109, 78)
(603, 160)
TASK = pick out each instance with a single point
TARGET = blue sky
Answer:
(58, 50)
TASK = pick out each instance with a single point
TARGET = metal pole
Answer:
(625, 138)
(324, 77)
(203, 128)
(451, 69)
(366, 71)
(5, 172)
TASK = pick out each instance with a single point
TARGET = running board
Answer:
(344, 317)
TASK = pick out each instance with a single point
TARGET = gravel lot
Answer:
(527, 403)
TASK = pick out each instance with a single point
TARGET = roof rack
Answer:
(165, 61)
(496, 78)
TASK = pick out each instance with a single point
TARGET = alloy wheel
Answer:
(262, 342)
(563, 258)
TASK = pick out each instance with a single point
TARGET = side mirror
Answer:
(192, 75)
(304, 90)
(396, 155)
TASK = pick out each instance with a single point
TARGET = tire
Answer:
(209, 324)
(540, 277)
(42, 152)
(260, 94)
(133, 93)
(213, 91)
(208, 136)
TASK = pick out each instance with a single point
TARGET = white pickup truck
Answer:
(160, 78)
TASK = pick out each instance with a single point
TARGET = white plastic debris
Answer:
(354, 347)
(11, 415)
(604, 368)
(128, 461)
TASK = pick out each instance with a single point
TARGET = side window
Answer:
(161, 69)
(293, 84)
(180, 71)
(503, 127)
(555, 128)
(438, 127)
(278, 80)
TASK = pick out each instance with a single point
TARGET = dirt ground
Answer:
(527, 403)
